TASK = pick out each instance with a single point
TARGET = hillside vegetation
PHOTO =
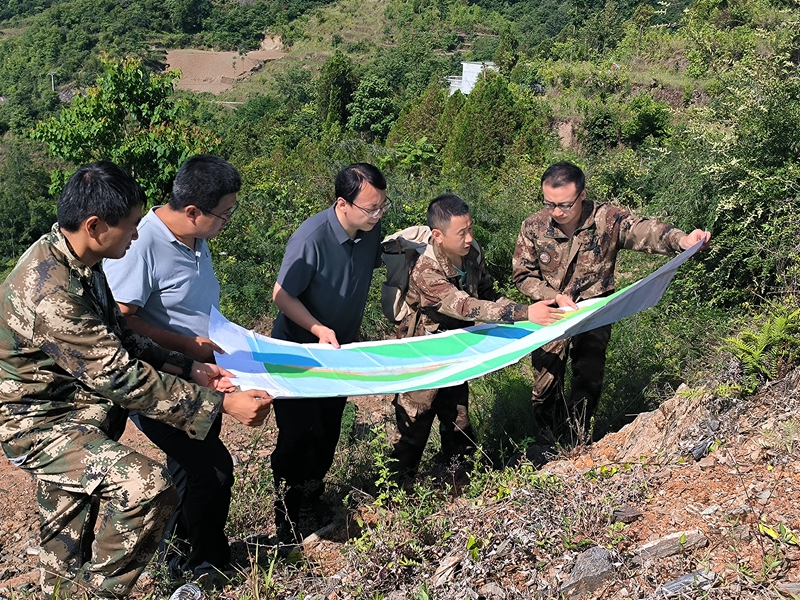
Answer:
(685, 112)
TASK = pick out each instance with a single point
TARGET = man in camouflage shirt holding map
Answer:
(567, 252)
(70, 369)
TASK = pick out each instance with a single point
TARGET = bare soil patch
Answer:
(215, 72)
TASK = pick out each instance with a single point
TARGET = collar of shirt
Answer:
(338, 230)
(60, 242)
(447, 266)
(152, 218)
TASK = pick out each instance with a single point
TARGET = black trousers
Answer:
(308, 431)
(587, 351)
(202, 472)
(415, 412)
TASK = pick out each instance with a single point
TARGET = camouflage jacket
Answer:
(547, 262)
(440, 301)
(68, 360)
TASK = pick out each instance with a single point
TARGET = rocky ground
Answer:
(696, 499)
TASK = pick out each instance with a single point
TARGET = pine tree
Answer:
(335, 88)
(507, 55)
(485, 127)
(419, 118)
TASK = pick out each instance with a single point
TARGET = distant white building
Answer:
(470, 72)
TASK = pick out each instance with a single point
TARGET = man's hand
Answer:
(201, 349)
(212, 376)
(249, 408)
(564, 301)
(326, 335)
(544, 312)
(691, 239)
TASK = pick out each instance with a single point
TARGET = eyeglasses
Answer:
(375, 212)
(225, 218)
(563, 207)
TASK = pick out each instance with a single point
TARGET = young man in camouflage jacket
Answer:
(70, 369)
(449, 288)
(567, 252)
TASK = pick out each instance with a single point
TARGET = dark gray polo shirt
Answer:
(330, 274)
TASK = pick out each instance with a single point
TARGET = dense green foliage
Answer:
(130, 118)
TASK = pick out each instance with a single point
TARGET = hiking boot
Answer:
(287, 534)
(211, 578)
(188, 591)
(316, 515)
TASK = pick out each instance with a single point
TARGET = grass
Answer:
(346, 24)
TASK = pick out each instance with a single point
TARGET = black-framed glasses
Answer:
(225, 218)
(375, 212)
(563, 207)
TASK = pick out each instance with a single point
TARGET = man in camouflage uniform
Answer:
(567, 252)
(70, 369)
(449, 288)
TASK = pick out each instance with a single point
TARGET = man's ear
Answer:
(341, 203)
(94, 226)
(192, 212)
(437, 235)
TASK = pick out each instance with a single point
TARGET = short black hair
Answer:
(203, 181)
(443, 208)
(350, 179)
(564, 173)
(100, 189)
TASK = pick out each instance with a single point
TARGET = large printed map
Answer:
(286, 369)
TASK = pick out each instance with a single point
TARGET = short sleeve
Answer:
(298, 267)
(130, 278)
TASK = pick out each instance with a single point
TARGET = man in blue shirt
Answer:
(165, 286)
(321, 293)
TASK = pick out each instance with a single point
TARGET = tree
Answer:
(372, 110)
(130, 118)
(335, 88)
(485, 127)
(419, 118)
(506, 55)
(26, 210)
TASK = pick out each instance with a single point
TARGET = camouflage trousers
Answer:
(556, 413)
(415, 412)
(80, 476)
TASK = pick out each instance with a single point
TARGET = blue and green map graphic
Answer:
(286, 369)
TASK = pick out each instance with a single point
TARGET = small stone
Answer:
(592, 570)
(710, 510)
(698, 580)
(763, 497)
(700, 449)
(34, 551)
(492, 591)
(503, 546)
(626, 514)
(707, 462)
(741, 532)
(790, 589)
(671, 544)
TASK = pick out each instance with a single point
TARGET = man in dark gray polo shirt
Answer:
(321, 293)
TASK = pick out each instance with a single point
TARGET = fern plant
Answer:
(771, 347)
